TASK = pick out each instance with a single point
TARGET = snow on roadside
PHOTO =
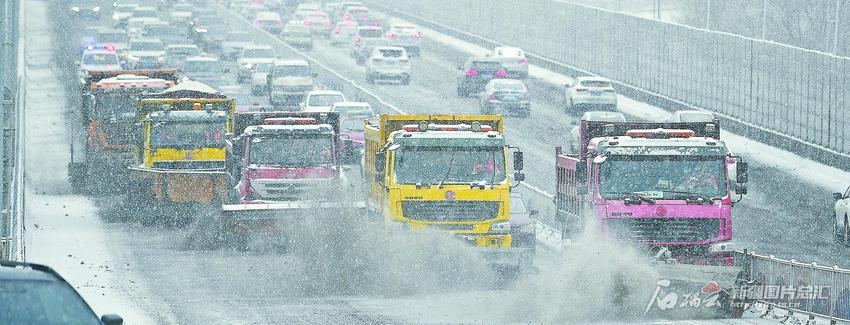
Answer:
(826, 177)
(64, 231)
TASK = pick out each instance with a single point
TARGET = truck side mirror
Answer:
(111, 319)
(380, 165)
(838, 196)
(742, 172)
(740, 189)
(518, 161)
(519, 177)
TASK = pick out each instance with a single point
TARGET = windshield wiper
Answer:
(698, 197)
(640, 196)
(448, 172)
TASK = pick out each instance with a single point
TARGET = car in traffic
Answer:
(36, 294)
(362, 16)
(136, 26)
(841, 223)
(146, 12)
(573, 141)
(298, 35)
(252, 54)
(289, 82)
(166, 32)
(121, 12)
(523, 229)
(88, 37)
(87, 9)
(509, 96)
(352, 117)
(148, 51)
(234, 42)
(690, 116)
(204, 69)
(209, 32)
(406, 36)
(319, 23)
(589, 91)
(343, 33)
(476, 72)
(388, 63)
(259, 77)
(115, 37)
(269, 21)
(176, 54)
(321, 100)
(367, 38)
(98, 60)
(513, 60)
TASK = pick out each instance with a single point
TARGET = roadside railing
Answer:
(790, 97)
(11, 238)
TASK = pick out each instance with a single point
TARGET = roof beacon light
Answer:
(660, 134)
(289, 120)
(424, 126)
(476, 127)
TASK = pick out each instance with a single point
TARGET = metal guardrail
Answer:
(10, 234)
(792, 97)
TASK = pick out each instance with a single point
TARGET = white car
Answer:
(259, 77)
(136, 26)
(690, 116)
(121, 12)
(841, 228)
(252, 54)
(343, 33)
(513, 60)
(586, 91)
(289, 81)
(321, 100)
(319, 23)
(148, 52)
(270, 21)
(388, 63)
(98, 60)
(406, 36)
(233, 44)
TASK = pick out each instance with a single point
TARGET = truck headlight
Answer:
(95, 9)
(75, 9)
(724, 247)
(247, 66)
(500, 227)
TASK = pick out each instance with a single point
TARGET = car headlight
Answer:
(75, 9)
(95, 9)
(247, 66)
(500, 227)
(161, 58)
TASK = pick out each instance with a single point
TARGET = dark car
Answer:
(36, 294)
(476, 72)
(90, 9)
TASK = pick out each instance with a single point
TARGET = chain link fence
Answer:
(797, 95)
(11, 247)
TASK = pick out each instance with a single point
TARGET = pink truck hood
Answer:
(291, 173)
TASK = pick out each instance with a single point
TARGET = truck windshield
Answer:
(188, 135)
(299, 151)
(449, 165)
(116, 105)
(663, 177)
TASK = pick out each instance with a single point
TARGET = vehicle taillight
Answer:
(492, 97)
(417, 35)
(357, 40)
(327, 23)
(258, 21)
(308, 23)
(472, 72)
(501, 73)
(522, 61)
(336, 31)
(346, 17)
(280, 23)
(392, 35)
(376, 23)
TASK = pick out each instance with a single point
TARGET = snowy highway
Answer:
(158, 275)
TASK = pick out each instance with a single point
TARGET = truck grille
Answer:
(664, 230)
(452, 227)
(450, 210)
(190, 164)
(288, 190)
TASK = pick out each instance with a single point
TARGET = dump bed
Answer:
(92, 77)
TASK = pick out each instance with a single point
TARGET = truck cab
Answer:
(446, 173)
(663, 186)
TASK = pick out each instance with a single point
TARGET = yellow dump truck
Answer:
(180, 151)
(445, 172)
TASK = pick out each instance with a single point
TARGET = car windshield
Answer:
(371, 32)
(147, 46)
(448, 165)
(184, 51)
(187, 135)
(112, 38)
(258, 53)
(388, 53)
(43, 302)
(663, 176)
(486, 66)
(509, 52)
(307, 150)
(237, 37)
(292, 71)
(202, 66)
(596, 83)
(100, 58)
(325, 99)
